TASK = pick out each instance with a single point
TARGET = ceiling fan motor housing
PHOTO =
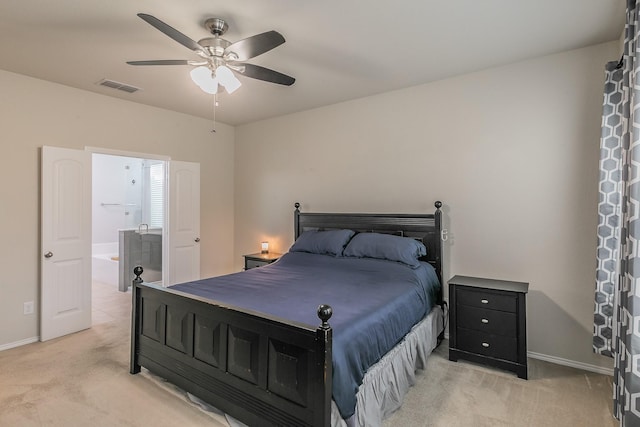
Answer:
(216, 26)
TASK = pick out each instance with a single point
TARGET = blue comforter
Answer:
(375, 303)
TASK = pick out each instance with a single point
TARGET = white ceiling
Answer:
(336, 50)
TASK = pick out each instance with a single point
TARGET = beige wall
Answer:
(511, 151)
(34, 113)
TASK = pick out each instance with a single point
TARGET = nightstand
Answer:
(488, 322)
(259, 259)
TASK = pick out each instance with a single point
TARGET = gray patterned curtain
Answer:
(617, 307)
(608, 254)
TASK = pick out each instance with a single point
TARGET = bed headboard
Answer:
(426, 227)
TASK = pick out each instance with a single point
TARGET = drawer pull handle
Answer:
(484, 301)
(485, 320)
(485, 344)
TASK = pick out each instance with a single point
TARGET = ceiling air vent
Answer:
(117, 85)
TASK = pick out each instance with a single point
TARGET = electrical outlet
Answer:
(28, 307)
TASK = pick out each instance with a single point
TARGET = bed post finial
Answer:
(138, 270)
(438, 204)
(296, 221)
(324, 313)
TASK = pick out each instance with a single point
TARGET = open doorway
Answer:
(66, 232)
(128, 211)
(128, 218)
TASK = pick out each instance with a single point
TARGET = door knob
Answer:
(197, 239)
(48, 254)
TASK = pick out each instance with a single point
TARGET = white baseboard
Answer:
(571, 363)
(19, 343)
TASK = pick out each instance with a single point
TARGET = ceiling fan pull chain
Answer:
(215, 105)
(214, 112)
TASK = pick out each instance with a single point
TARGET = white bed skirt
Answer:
(383, 387)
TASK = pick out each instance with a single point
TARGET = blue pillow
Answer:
(330, 242)
(386, 246)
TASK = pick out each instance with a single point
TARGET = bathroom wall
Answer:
(116, 180)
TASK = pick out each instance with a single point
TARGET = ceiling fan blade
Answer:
(262, 73)
(161, 62)
(171, 32)
(254, 45)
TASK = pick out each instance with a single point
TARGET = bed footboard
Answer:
(259, 369)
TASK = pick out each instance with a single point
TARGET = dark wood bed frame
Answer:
(260, 369)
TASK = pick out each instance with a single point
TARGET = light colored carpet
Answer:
(83, 380)
(449, 394)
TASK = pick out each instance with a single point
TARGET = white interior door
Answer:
(184, 222)
(65, 284)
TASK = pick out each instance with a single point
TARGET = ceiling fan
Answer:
(219, 58)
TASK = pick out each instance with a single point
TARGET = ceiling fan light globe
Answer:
(203, 77)
(227, 79)
(231, 87)
(211, 88)
(200, 75)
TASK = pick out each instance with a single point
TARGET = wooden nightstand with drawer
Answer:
(488, 322)
(259, 259)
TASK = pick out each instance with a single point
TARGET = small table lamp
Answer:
(265, 247)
